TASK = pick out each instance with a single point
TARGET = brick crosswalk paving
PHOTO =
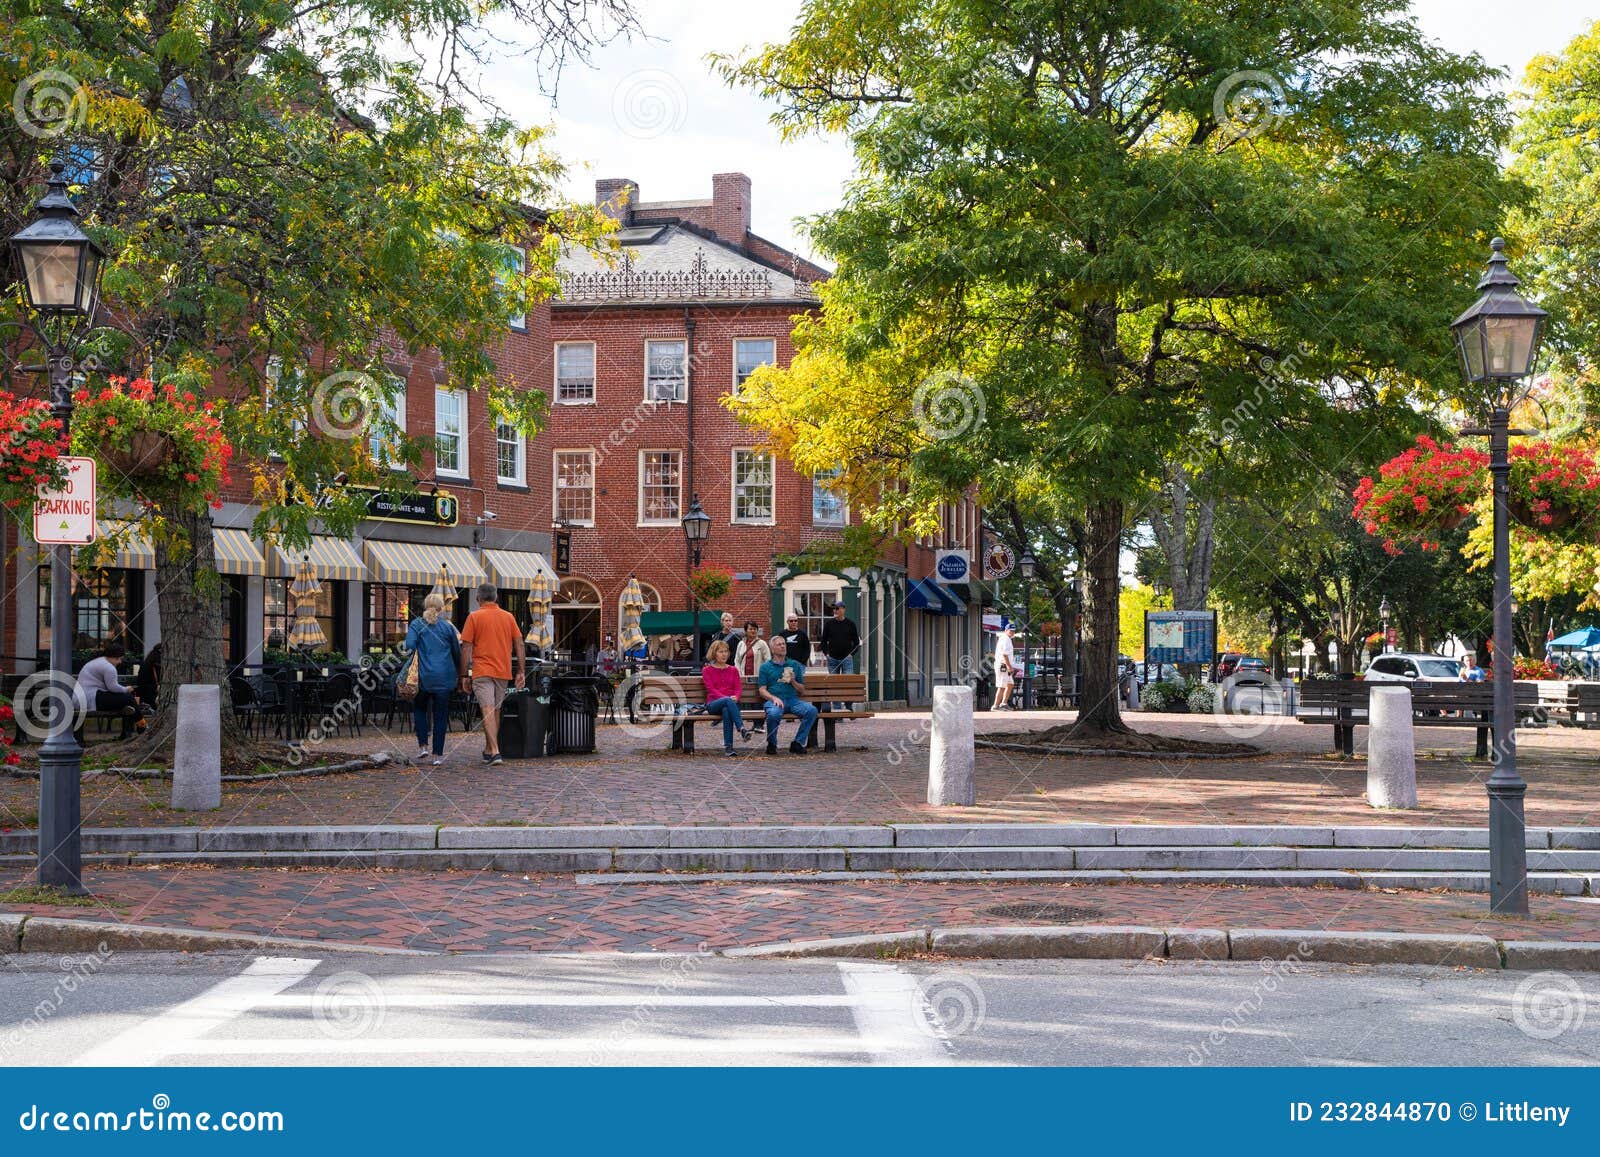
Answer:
(879, 775)
(487, 911)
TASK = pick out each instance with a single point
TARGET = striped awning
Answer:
(331, 558)
(418, 564)
(515, 570)
(132, 550)
(237, 554)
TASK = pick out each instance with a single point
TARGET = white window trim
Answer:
(462, 454)
(733, 387)
(733, 487)
(643, 521)
(844, 520)
(684, 342)
(521, 477)
(555, 484)
(518, 321)
(594, 375)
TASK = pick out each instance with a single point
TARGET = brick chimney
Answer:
(730, 206)
(616, 197)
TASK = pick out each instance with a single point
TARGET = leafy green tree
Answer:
(1086, 237)
(291, 186)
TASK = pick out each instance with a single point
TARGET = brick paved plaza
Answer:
(878, 776)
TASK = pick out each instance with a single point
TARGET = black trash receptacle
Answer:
(984, 692)
(574, 706)
(524, 725)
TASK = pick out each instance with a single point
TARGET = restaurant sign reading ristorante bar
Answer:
(437, 509)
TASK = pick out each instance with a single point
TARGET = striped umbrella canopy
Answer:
(306, 632)
(628, 634)
(541, 591)
(444, 588)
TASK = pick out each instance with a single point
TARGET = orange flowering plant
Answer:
(157, 445)
(31, 446)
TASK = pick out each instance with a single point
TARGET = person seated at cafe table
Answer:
(99, 689)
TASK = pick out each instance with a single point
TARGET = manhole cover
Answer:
(1045, 913)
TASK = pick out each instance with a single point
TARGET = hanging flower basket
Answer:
(145, 453)
(1421, 494)
(1555, 489)
(1553, 517)
(161, 445)
(30, 450)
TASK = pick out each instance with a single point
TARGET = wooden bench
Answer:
(1344, 704)
(670, 695)
(1583, 704)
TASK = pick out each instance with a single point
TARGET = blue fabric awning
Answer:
(929, 597)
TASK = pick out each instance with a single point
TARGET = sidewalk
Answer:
(488, 911)
(878, 776)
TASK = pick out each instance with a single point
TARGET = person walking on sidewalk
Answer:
(487, 645)
(435, 648)
(1005, 662)
(781, 680)
(722, 684)
(840, 641)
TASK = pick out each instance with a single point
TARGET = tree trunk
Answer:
(1099, 709)
(189, 593)
(1186, 533)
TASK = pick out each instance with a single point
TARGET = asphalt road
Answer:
(227, 1009)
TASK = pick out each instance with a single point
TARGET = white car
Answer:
(1408, 668)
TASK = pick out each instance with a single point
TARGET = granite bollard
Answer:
(951, 754)
(1391, 748)
(197, 757)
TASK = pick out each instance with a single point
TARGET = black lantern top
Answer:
(696, 523)
(1384, 609)
(1028, 564)
(60, 262)
(1498, 337)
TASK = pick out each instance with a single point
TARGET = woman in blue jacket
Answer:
(436, 649)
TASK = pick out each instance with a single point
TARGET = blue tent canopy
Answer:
(927, 595)
(1583, 638)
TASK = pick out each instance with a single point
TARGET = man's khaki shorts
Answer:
(490, 693)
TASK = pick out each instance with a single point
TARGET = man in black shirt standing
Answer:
(840, 639)
(799, 642)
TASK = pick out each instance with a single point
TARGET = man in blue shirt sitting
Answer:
(780, 680)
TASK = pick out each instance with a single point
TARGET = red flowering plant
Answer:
(31, 446)
(158, 445)
(1555, 489)
(710, 583)
(1420, 494)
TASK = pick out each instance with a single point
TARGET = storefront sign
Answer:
(65, 517)
(952, 566)
(563, 552)
(998, 561)
(438, 509)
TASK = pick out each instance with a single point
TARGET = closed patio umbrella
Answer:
(628, 634)
(540, 593)
(445, 589)
(307, 632)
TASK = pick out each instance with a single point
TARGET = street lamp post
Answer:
(696, 529)
(61, 278)
(1384, 611)
(1498, 340)
(1029, 567)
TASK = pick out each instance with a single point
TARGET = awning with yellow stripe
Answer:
(236, 554)
(119, 545)
(418, 564)
(332, 558)
(515, 570)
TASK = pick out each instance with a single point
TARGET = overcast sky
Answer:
(652, 110)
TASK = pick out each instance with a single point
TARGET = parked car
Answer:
(1252, 670)
(1227, 662)
(1410, 668)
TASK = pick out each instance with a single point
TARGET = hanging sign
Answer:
(65, 517)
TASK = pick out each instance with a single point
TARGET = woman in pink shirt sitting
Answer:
(722, 694)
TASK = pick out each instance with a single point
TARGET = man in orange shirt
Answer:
(490, 637)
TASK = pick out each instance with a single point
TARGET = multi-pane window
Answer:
(450, 431)
(388, 422)
(827, 505)
(575, 372)
(749, 354)
(575, 486)
(278, 613)
(666, 371)
(752, 486)
(508, 453)
(660, 486)
(516, 261)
